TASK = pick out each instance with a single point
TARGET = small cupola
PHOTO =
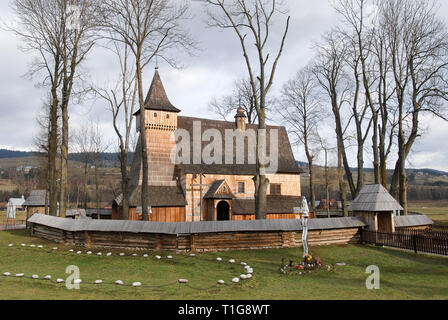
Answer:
(240, 119)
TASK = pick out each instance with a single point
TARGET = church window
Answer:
(155, 114)
(276, 189)
(241, 187)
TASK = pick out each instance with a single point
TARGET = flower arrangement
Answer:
(307, 265)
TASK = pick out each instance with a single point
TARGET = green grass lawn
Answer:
(403, 275)
(437, 211)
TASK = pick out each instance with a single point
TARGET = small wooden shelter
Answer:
(37, 202)
(377, 207)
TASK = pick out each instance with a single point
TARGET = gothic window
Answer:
(155, 114)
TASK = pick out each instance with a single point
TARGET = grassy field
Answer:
(436, 210)
(403, 275)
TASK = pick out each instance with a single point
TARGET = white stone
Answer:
(183, 281)
(250, 271)
(47, 278)
(55, 248)
(60, 280)
(119, 282)
(98, 281)
(243, 277)
(40, 246)
(231, 261)
(246, 267)
(137, 284)
(169, 257)
(219, 259)
(192, 255)
(7, 274)
(109, 254)
(158, 257)
(243, 264)
(122, 254)
(23, 245)
(89, 252)
(248, 276)
(32, 246)
(235, 280)
(77, 281)
(34, 276)
(221, 282)
(341, 264)
(134, 255)
(99, 254)
(145, 256)
(79, 252)
(10, 245)
(71, 250)
(19, 275)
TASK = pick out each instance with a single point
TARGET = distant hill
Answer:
(107, 159)
(424, 171)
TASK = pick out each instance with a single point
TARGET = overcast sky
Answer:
(210, 73)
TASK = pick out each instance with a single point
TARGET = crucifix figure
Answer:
(305, 212)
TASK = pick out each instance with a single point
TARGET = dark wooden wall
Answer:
(196, 242)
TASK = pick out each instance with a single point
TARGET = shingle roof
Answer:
(157, 98)
(194, 227)
(36, 199)
(412, 221)
(159, 196)
(214, 188)
(374, 198)
(286, 161)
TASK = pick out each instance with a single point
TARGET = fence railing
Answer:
(11, 224)
(418, 241)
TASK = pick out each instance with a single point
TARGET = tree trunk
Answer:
(125, 184)
(64, 162)
(261, 180)
(144, 150)
(52, 154)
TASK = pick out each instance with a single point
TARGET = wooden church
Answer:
(192, 191)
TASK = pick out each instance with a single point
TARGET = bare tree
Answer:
(41, 29)
(83, 145)
(329, 71)
(302, 111)
(418, 46)
(121, 102)
(99, 146)
(79, 34)
(253, 19)
(150, 28)
(241, 97)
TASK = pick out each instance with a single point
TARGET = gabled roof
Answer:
(286, 162)
(375, 198)
(157, 98)
(17, 201)
(159, 196)
(216, 191)
(36, 199)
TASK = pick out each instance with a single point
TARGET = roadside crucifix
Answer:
(305, 212)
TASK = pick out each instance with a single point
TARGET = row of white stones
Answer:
(247, 275)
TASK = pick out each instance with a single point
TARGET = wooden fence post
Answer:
(414, 240)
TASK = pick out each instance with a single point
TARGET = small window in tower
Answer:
(168, 116)
(155, 114)
(276, 189)
(241, 187)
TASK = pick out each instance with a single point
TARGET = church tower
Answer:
(161, 124)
